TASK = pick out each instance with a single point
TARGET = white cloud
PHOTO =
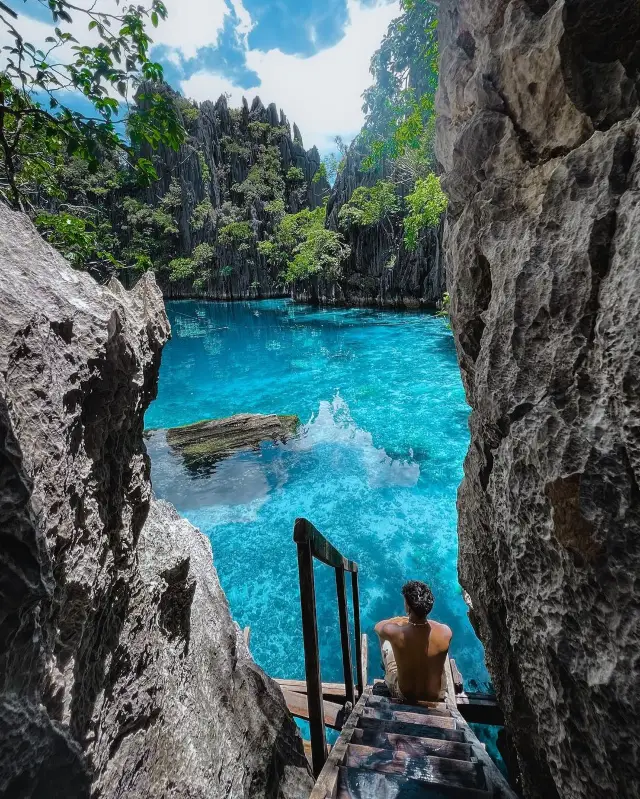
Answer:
(322, 94)
(193, 24)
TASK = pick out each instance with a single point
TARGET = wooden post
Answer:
(343, 615)
(356, 625)
(311, 655)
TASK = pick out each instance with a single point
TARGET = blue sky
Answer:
(310, 57)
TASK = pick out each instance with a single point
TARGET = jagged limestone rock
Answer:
(222, 147)
(121, 670)
(212, 439)
(380, 270)
(539, 134)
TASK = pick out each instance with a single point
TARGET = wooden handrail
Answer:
(312, 544)
(305, 532)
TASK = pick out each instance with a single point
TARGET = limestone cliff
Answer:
(538, 133)
(223, 147)
(121, 670)
(380, 269)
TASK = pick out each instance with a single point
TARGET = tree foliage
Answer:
(426, 205)
(36, 122)
(370, 205)
(301, 246)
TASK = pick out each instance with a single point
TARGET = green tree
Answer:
(36, 122)
(301, 246)
(370, 205)
(400, 102)
(426, 205)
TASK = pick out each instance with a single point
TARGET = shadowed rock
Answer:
(539, 135)
(213, 439)
(122, 672)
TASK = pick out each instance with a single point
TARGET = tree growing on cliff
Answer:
(36, 120)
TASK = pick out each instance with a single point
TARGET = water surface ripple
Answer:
(375, 467)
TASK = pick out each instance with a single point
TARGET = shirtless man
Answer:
(414, 649)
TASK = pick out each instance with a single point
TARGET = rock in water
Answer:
(121, 670)
(539, 134)
(213, 439)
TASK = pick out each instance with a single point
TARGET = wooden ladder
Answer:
(388, 749)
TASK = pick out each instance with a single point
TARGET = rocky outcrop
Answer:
(539, 135)
(223, 146)
(380, 270)
(121, 670)
(206, 442)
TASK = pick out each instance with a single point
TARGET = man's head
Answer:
(418, 598)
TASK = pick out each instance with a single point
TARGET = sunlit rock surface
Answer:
(121, 670)
(538, 135)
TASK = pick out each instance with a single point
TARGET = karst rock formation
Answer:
(121, 670)
(539, 139)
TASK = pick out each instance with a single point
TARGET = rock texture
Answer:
(539, 135)
(222, 147)
(121, 670)
(380, 270)
(206, 442)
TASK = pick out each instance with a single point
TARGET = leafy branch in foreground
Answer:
(36, 121)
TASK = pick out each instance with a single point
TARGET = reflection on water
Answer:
(375, 465)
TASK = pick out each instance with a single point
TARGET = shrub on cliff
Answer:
(426, 205)
(301, 246)
(370, 205)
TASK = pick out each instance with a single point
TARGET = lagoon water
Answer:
(375, 466)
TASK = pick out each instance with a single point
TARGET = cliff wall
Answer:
(538, 133)
(121, 670)
(380, 270)
(222, 148)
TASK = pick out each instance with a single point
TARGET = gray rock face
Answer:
(539, 135)
(121, 670)
(223, 146)
(380, 271)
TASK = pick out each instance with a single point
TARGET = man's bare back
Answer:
(420, 650)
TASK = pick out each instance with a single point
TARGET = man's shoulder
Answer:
(444, 632)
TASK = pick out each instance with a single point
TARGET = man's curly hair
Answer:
(418, 597)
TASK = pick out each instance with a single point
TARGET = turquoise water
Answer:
(375, 467)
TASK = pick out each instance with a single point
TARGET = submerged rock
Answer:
(539, 134)
(210, 440)
(121, 670)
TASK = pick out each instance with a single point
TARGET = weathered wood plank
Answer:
(415, 730)
(458, 682)
(364, 659)
(354, 783)
(410, 717)
(430, 708)
(432, 769)
(480, 709)
(327, 783)
(416, 747)
(299, 707)
(496, 783)
(300, 687)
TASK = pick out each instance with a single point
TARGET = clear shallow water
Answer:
(375, 467)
